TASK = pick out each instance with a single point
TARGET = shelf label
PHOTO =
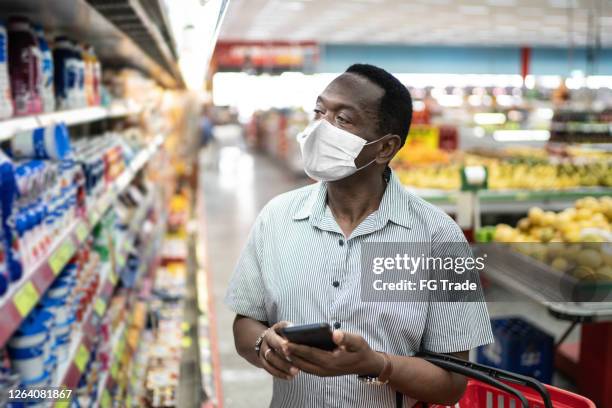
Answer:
(120, 347)
(128, 401)
(100, 307)
(105, 402)
(114, 370)
(521, 196)
(112, 277)
(82, 232)
(81, 358)
(121, 259)
(61, 256)
(26, 298)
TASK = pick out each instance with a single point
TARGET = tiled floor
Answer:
(235, 189)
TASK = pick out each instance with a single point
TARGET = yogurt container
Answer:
(51, 142)
(28, 362)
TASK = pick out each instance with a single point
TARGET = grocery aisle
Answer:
(234, 193)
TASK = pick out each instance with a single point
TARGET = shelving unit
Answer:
(12, 126)
(512, 201)
(23, 296)
(135, 42)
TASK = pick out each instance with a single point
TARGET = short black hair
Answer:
(395, 109)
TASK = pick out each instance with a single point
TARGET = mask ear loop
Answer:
(373, 160)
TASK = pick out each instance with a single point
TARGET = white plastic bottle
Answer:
(6, 103)
(46, 71)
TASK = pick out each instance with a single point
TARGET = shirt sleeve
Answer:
(246, 292)
(454, 326)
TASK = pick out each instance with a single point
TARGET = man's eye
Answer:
(318, 112)
(342, 119)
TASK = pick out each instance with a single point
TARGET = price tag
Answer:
(26, 298)
(521, 196)
(120, 259)
(105, 402)
(114, 370)
(82, 232)
(81, 358)
(62, 404)
(61, 256)
(186, 342)
(92, 216)
(100, 307)
(128, 401)
(112, 277)
(120, 348)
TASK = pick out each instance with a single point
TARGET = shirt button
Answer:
(335, 284)
(341, 242)
(337, 325)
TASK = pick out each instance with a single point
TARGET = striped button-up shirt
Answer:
(298, 266)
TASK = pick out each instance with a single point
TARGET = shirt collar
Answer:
(395, 205)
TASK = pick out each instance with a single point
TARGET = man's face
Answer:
(351, 102)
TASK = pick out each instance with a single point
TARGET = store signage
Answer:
(26, 298)
(424, 135)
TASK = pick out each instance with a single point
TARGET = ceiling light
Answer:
(563, 3)
(521, 135)
(506, 3)
(474, 10)
(486, 118)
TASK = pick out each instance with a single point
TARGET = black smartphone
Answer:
(317, 335)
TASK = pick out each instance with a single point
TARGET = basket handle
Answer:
(488, 375)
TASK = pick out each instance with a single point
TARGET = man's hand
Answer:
(353, 356)
(272, 356)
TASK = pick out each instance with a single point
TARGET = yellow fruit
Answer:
(585, 214)
(546, 234)
(605, 272)
(523, 224)
(549, 218)
(535, 215)
(589, 258)
(560, 264)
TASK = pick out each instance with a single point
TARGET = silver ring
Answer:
(266, 354)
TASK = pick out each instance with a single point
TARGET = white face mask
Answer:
(329, 152)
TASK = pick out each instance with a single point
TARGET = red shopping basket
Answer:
(493, 388)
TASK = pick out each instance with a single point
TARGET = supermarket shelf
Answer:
(512, 201)
(520, 274)
(103, 397)
(71, 371)
(10, 127)
(115, 45)
(23, 296)
(82, 345)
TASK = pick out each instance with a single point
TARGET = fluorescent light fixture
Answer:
(521, 135)
(487, 118)
(450, 101)
(474, 10)
(545, 113)
(479, 132)
(195, 26)
(505, 3)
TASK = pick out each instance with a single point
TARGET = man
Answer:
(302, 265)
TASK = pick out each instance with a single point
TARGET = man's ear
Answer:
(390, 146)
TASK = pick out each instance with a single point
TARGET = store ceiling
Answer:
(444, 22)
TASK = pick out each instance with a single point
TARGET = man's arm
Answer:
(412, 376)
(246, 333)
(424, 381)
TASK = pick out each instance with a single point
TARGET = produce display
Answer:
(525, 169)
(575, 240)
